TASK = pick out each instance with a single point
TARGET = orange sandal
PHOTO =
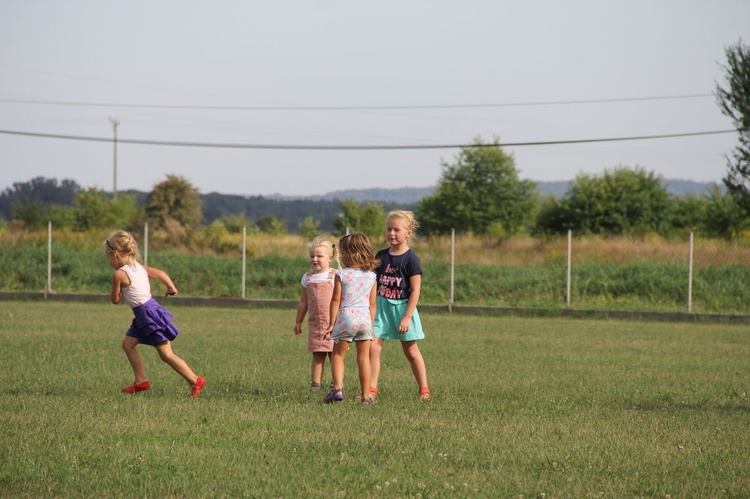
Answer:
(424, 393)
(373, 394)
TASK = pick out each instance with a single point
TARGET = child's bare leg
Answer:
(317, 367)
(375, 348)
(363, 363)
(175, 362)
(136, 362)
(411, 350)
(337, 363)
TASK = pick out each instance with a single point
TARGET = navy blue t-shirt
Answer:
(394, 273)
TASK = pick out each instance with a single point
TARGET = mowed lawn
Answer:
(530, 407)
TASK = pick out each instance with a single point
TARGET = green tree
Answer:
(40, 190)
(235, 223)
(31, 213)
(551, 216)
(95, 209)
(174, 199)
(735, 103)
(366, 217)
(271, 224)
(61, 216)
(481, 191)
(309, 228)
(724, 218)
(689, 213)
(620, 201)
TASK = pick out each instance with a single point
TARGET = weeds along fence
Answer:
(648, 273)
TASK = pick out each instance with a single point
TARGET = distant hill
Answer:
(406, 195)
(412, 195)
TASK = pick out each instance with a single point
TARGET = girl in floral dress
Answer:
(352, 313)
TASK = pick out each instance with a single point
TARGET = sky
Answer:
(287, 84)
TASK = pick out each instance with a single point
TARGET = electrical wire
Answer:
(352, 108)
(357, 147)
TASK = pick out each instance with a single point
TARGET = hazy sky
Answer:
(359, 74)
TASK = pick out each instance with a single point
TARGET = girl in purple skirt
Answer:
(152, 324)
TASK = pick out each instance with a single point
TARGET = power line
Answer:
(357, 147)
(354, 108)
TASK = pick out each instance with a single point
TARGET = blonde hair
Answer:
(357, 250)
(406, 220)
(123, 245)
(329, 246)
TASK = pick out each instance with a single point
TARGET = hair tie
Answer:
(109, 245)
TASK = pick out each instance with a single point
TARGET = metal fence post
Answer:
(145, 244)
(244, 257)
(48, 286)
(567, 288)
(690, 276)
(453, 265)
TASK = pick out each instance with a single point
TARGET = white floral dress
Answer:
(353, 322)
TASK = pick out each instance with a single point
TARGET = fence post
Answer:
(145, 244)
(453, 265)
(244, 257)
(48, 286)
(690, 276)
(567, 288)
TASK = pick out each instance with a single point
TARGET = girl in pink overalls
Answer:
(317, 290)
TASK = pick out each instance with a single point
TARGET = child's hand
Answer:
(171, 292)
(297, 328)
(403, 326)
(327, 334)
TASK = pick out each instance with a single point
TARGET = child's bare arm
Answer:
(164, 278)
(301, 311)
(118, 279)
(373, 301)
(335, 302)
(415, 283)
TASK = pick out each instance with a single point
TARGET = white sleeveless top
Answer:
(139, 291)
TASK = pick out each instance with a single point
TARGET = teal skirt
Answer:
(388, 317)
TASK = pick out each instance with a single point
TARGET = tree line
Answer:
(480, 192)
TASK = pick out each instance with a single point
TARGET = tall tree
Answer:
(174, 199)
(94, 208)
(271, 224)
(723, 217)
(40, 190)
(479, 192)
(620, 201)
(735, 103)
(366, 217)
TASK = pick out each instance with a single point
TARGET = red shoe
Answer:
(137, 387)
(198, 386)
(424, 393)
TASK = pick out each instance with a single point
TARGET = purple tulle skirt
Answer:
(152, 324)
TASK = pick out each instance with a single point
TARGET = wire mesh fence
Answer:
(647, 273)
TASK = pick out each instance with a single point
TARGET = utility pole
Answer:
(115, 124)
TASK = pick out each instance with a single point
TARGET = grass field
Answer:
(529, 407)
